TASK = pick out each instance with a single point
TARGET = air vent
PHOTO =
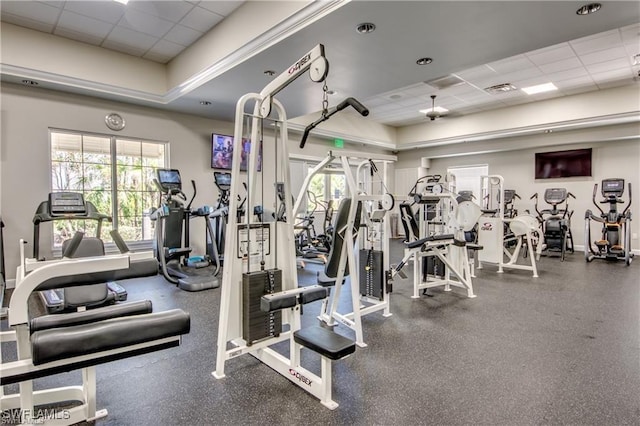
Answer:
(501, 88)
(445, 82)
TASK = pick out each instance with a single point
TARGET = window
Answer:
(115, 174)
(327, 186)
(468, 179)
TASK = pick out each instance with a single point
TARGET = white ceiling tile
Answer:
(565, 64)
(144, 23)
(157, 57)
(477, 72)
(567, 74)
(632, 49)
(534, 81)
(585, 80)
(124, 48)
(166, 48)
(138, 42)
(598, 42)
(58, 4)
(511, 64)
(172, 11)
(551, 54)
(630, 33)
(459, 89)
(32, 10)
(201, 19)
(27, 23)
(613, 83)
(182, 35)
(108, 11)
(604, 55)
(620, 74)
(223, 8)
(579, 89)
(79, 36)
(609, 66)
(83, 25)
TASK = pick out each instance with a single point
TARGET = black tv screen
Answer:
(560, 164)
(222, 153)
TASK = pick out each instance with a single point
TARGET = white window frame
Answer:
(109, 247)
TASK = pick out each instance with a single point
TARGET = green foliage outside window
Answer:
(85, 164)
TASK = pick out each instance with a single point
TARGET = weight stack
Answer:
(256, 324)
(371, 273)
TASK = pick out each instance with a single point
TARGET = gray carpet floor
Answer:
(560, 349)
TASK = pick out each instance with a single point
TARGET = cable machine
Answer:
(366, 234)
(261, 302)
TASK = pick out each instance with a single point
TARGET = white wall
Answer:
(27, 114)
(610, 159)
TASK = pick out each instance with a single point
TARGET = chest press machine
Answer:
(261, 302)
(53, 344)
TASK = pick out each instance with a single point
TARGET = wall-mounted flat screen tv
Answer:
(560, 164)
(222, 153)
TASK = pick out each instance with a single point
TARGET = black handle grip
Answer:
(362, 110)
(305, 135)
(73, 245)
(119, 241)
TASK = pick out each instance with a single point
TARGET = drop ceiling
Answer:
(482, 43)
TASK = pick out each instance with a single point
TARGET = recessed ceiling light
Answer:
(424, 61)
(366, 28)
(589, 8)
(205, 103)
(436, 109)
(501, 88)
(540, 88)
(269, 72)
(30, 82)
(122, 1)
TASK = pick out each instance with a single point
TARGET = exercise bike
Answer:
(615, 243)
(556, 222)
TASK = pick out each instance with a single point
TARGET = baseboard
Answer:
(581, 248)
(11, 283)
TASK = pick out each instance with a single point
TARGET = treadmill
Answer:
(72, 206)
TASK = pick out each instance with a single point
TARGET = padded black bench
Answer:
(61, 343)
(46, 322)
(327, 343)
(434, 238)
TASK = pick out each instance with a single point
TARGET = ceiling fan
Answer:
(434, 113)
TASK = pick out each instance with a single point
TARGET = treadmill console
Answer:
(612, 188)
(222, 180)
(555, 196)
(169, 179)
(66, 204)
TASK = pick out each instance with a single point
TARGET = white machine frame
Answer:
(18, 320)
(359, 191)
(491, 232)
(456, 258)
(230, 341)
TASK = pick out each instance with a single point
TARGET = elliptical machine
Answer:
(615, 242)
(556, 223)
(188, 273)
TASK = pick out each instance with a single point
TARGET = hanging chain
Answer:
(325, 100)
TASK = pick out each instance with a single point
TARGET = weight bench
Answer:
(58, 343)
(330, 345)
